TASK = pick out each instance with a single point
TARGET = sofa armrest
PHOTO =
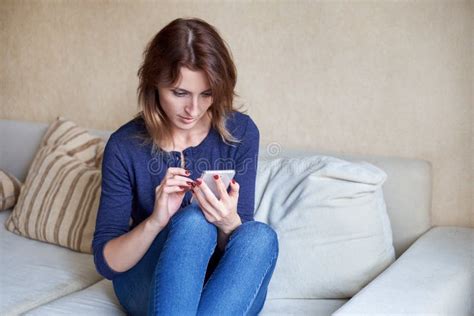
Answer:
(433, 276)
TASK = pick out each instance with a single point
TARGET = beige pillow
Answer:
(9, 190)
(59, 200)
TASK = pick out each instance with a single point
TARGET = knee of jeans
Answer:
(259, 235)
(191, 218)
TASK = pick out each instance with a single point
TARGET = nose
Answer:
(193, 107)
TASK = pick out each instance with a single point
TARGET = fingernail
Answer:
(187, 172)
(233, 181)
(216, 176)
(198, 182)
(193, 184)
(189, 182)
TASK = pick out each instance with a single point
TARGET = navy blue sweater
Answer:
(130, 174)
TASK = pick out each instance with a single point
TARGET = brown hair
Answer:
(195, 44)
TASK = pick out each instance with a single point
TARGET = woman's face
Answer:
(187, 102)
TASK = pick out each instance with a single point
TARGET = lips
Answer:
(186, 120)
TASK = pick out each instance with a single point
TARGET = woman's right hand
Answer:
(169, 195)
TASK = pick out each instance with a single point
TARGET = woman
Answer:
(175, 257)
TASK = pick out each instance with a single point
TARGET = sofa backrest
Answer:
(407, 190)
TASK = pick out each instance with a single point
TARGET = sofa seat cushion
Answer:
(320, 307)
(35, 272)
(100, 299)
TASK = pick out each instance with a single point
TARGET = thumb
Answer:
(234, 188)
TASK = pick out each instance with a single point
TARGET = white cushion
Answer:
(98, 299)
(299, 307)
(332, 224)
(35, 272)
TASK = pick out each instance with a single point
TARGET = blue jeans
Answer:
(184, 273)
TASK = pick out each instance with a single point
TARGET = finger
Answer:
(234, 189)
(182, 178)
(185, 188)
(215, 207)
(175, 188)
(221, 188)
(201, 186)
(179, 181)
(177, 171)
(203, 203)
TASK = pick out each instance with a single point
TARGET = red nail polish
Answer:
(193, 184)
(233, 181)
(187, 172)
(198, 182)
(216, 176)
(189, 182)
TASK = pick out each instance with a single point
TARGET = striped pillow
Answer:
(9, 190)
(59, 200)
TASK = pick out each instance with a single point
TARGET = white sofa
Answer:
(433, 272)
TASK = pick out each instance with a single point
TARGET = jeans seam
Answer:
(260, 284)
(158, 270)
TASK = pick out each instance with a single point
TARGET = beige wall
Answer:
(384, 78)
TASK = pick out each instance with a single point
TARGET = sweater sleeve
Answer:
(246, 161)
(115, 206)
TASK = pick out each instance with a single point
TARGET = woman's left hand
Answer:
(221, 212)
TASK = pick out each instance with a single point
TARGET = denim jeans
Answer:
(184, 273)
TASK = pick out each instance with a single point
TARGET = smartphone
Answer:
(208, 177)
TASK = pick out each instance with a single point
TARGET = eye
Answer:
(207, 95)
(179, 94)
